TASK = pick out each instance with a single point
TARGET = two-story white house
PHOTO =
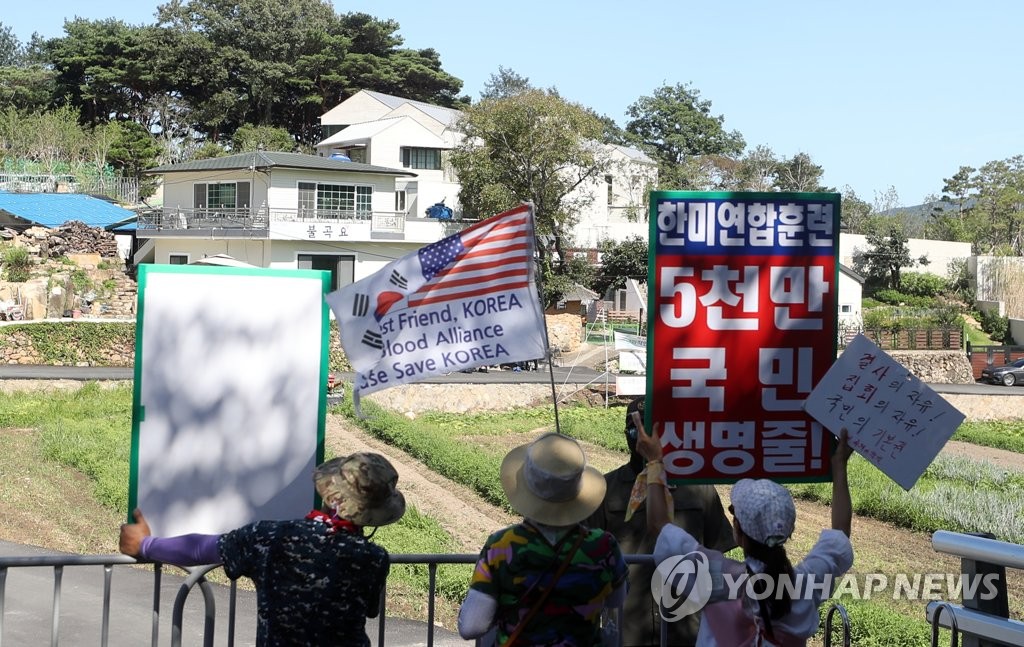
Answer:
(284, 210)
(382, 129)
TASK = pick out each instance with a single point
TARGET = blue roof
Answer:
(55, 209)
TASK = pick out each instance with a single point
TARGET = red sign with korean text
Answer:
(742, 295)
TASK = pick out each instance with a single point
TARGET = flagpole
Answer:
(547, 341)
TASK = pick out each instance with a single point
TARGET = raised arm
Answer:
(649, 447)
(842, 507)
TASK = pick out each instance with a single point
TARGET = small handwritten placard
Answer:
(894, 420)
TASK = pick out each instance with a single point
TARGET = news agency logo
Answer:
(682, 585)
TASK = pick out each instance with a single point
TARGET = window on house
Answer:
(177, 259)
(400, 201)
(334, 199)
(425, 158)
(611, 192)
(342, 267)
(221, 195)
(845, 308)
(327, 130)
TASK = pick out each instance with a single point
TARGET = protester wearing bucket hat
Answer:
(764, 518)
(317, 578)
(547, 580)
(696, 508)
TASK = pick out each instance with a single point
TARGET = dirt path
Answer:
(463, 513)
(1000, 458)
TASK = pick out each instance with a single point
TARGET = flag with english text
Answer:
(466, 301)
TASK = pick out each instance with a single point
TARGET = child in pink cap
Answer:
(763, 600)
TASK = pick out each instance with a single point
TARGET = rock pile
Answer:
(70, 238)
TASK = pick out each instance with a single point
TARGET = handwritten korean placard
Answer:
(894, 420)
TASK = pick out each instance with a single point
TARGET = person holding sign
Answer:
(764, 611)
(318, 578)
(696, 508)
(547, 580)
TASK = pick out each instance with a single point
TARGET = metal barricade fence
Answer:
(198, 577)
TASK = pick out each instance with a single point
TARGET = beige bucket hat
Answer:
(550, 482)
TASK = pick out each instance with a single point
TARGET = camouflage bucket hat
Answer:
(362, 488)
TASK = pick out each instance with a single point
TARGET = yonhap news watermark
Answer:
(684, 584)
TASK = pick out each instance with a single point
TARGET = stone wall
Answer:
(936, 366)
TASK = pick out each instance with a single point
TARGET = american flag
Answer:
(492, 256)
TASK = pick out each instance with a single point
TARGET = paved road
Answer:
(28, 609)
(562, 374)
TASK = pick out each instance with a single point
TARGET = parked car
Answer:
(1008, 375)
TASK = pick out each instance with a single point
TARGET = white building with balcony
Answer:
(284, 210)
(381, 129)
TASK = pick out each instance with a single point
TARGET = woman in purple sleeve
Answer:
(317, 578)
(764, 600)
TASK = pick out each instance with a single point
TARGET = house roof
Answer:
(360, 134)
(55, 209)
(274, 159)
(851, 273)
(446, 116)
(580, 293)
(634, 154)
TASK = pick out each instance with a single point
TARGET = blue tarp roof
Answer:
(55, 209)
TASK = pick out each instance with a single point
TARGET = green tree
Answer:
(533, 147)
(757, 170)
(999, 207)
(856, 212)
(10, 47)
(799, 173)
(284, 63)
(504, 83)
(27, 89)
(134, 151)
(267, 138)
(676, 124)
(888, 254)
(621, 261)
(105, 69)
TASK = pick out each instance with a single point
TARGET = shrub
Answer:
(898, 298)
(923, 284)
(16, 262)
(994, 325)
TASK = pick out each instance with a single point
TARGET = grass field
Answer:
(90, 431)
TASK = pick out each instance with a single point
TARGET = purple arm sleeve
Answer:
(184, 550)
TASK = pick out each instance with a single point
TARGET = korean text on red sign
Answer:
(743, 325)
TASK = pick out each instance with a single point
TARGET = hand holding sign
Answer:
(895, 421)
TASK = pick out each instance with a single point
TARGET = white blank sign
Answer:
(230, 403)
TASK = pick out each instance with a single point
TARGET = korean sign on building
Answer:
(743, 301)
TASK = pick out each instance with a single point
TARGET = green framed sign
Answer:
(230, 400)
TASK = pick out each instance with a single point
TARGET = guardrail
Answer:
(982, 621)
(197, 577)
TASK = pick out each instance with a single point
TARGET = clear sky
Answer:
(880, 93)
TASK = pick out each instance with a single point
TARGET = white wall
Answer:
(370, 257)
(254, 252)
(850, 293)
(939, 252)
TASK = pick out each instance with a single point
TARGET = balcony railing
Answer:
(260, 220)
(219, 218)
